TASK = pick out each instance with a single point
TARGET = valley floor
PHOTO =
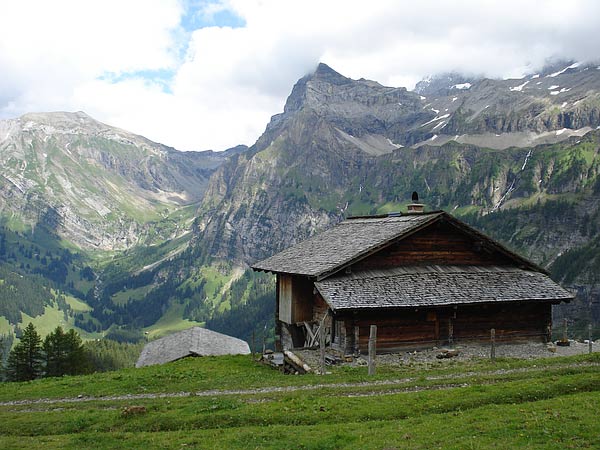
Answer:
(234, 402)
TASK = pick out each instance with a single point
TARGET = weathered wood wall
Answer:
(320, 307)
(518, 321)
(438, 244)
(295, 297)
(302, 299)
(284, 295)
(405, 329)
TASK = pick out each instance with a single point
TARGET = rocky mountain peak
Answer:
(442, 84)
(320, 86)
(326, 74)
(61, 121)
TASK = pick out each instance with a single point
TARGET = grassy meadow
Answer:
(235, 402)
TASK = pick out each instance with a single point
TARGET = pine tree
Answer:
(25, 360)
(64, 353)
(77, 361)
(55, 352)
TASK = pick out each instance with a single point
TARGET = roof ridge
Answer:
(393, 214)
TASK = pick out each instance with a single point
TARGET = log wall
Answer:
(405, 329)
(438, 244)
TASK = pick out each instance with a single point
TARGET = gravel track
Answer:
(274, 389)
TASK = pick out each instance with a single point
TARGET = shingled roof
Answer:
(355, 238)
(343, 243)
(422, 286)
(194, 341)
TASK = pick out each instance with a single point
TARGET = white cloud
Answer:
(227, 82)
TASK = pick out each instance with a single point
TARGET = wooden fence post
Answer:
(322, 348)
(253, 343)
(356, 341)
(493, 342)
(372, 347)
(565, 338)
(590, 338)
(450, 331)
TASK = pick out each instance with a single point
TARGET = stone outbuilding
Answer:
(194, 341)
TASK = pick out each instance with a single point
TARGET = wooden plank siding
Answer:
(295, 299)
(525, 321)
(441, 243)
(406, 329)
(284, 294)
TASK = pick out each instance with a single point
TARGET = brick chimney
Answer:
(415, 206)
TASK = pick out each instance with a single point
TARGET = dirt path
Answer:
(312, 387)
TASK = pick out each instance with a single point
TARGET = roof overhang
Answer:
(438, 286)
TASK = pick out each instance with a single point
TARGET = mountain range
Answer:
(155, 239)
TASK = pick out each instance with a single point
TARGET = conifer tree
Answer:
(64, 353)
(25, 360)
(77, 361)
(55, 352)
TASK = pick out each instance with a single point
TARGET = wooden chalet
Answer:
(424, 279)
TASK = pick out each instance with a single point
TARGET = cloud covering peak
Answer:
(209, 74)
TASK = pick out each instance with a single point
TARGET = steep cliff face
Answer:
(95, 185)
(265, 208)
(332, 153)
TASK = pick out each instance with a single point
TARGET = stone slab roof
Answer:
(423, 286)
(194, 341)
(344, 243)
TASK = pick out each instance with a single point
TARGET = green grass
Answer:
(242, 372)
(53, 317)
(76, 304)
(5, 326)
(172, 320)
(121, 298)
(214, 277)
(46, 322)
(551, 406)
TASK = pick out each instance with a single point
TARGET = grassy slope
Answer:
(545, 404)
(171, 321)
(52, 318)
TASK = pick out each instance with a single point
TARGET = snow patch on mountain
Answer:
(572, 66)
(461, 86)
(518, 88)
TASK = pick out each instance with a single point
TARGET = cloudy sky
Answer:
(208, 74)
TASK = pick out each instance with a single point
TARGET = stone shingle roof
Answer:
(345, 242)
(422, 286)
(194, 341)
